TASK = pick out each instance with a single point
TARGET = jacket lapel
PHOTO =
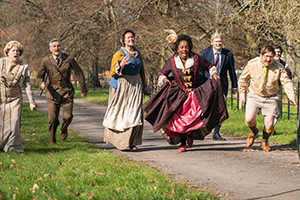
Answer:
(62, 59)
(222, 59)
(211, 56)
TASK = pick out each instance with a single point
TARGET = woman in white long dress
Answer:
(12, 72)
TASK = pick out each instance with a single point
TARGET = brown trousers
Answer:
(59, 97)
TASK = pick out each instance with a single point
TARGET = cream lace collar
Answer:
(189, 62)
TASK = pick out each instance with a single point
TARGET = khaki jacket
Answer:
(61, 77)
(253, 72)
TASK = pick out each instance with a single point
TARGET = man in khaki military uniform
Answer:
(60, 91)
(264, 74)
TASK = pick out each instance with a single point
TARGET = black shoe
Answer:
(217, 136)
(274, 132)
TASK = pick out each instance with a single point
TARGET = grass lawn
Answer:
(97, 95)
(75, 169)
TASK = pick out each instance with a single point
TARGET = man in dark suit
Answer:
(224, 61)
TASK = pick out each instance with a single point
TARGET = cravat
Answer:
(263, 79)
(57, 60)
(217, 60)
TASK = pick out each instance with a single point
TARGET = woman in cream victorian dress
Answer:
(12, 72)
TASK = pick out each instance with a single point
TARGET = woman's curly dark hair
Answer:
(181, 38)
(122, 35)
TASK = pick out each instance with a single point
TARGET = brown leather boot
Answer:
(265, 146)
(250, 140)
(64, 135)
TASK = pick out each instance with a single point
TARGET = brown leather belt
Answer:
(58, 84)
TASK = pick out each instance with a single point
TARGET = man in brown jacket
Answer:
(264, 74)
(60, 92)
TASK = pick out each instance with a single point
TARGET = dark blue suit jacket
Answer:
(227, 64)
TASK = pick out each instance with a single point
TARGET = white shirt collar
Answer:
(56, 57)
(214, 51)
(189, 62)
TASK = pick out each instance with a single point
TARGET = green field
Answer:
(76, 169)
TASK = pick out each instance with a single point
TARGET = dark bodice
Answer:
(190, 78)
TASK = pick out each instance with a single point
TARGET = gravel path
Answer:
(227, 168)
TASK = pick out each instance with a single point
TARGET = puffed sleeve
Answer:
(164, 72)
(143, 76)
(26, 81)
(42, 72)
(115, 64)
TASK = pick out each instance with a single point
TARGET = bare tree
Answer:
(90, 30)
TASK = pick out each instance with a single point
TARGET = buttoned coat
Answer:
(227, 64)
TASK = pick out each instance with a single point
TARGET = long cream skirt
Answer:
(10, 119)
(123, 119)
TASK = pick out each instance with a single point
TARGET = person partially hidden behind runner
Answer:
(278, 54)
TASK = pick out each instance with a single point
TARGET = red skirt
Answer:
(187, 118)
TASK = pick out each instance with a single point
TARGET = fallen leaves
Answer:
(10, 166)
(48, 175)
(64, 163)
(172, 192)
(92, 183)
(90, 195)
(34, 188)
(99, 173)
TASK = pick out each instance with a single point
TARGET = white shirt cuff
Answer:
(118, 69)
(212, 71)
(160, 80)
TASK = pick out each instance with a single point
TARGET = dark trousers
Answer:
(183, 137)
(53, 113)
(217, 129)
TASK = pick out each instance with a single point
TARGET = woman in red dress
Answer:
(187, 101)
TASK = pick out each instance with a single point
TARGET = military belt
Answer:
(59, 84)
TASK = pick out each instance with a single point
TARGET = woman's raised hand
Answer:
(124, 61)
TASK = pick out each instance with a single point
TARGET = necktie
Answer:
(217, 60)
(57, 60)
(263, 79)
